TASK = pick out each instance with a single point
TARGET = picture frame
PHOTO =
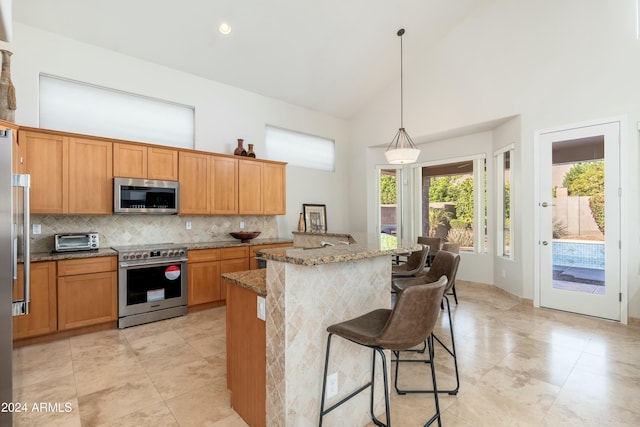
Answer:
(315, 218)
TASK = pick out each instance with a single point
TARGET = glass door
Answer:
(580, 220)
(390, 202)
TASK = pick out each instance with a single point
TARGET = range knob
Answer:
(138, 256)
(182, 252)
(145, 256)
(164, 253)
(125, 256)
(172, 253)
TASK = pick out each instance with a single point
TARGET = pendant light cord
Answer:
(400, 33)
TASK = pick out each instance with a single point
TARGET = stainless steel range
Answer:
(152, 283)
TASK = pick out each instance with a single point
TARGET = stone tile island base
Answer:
(307, 289)
(302, 301)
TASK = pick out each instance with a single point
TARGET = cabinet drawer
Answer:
(232, 253)
(203, 255)
(71, 267)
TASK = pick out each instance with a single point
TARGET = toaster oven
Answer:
(76, 242)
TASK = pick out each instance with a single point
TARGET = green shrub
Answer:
(596, 204)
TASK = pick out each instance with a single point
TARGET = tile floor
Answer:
(519, 366)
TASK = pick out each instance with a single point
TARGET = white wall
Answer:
(550, 62)
(223, 113)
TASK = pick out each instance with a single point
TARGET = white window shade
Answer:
(300, 149)
(92, 110)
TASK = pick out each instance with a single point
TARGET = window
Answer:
(453, 202)
(83, 108)
(300, 149)
(504, 195)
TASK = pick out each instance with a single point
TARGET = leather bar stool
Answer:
(444, 264)
(408, 324)
(455, 248)
(434, 243)
(414, 265)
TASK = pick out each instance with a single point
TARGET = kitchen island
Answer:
(308, 289)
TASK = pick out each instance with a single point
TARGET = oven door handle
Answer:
(147, 263)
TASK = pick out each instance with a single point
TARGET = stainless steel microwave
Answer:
(145, 196)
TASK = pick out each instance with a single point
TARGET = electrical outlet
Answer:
(36, 228)
(187, 225)
(241, 225)
(332, 385)
(262, 308)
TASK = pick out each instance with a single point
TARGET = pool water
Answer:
(578, 254)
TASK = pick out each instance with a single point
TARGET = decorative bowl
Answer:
(245, 236)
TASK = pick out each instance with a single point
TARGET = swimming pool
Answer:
(582, 254)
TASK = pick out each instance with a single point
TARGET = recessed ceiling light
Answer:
(224, 28)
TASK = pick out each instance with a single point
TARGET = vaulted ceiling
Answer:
(332, 56)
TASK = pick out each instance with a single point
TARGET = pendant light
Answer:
(401, 149)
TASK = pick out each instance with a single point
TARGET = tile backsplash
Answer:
(119, 230)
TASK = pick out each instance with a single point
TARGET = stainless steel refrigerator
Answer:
(14, 246)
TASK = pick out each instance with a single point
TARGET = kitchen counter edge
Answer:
(57, 256)
(253, 280)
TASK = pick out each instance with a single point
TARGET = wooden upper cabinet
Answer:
(194, 183)
(90, 176)
(129, 160)
(147, 162)
(162, 163)
(46, 159)
(274, 187)
(250, 188)
(224, 185)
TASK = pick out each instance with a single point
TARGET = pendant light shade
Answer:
(401, 149)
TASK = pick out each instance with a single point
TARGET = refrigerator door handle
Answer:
(22, 307)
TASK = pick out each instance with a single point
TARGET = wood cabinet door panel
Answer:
(42, 317)
(234, 252)
(229, 266)
(194, 183)
(203, 282)
(70, 267)
(90, 176)
(46, 159)
(129, 160)
(202, 255)
(224, 184)
(87, 299)
(249, 188)
(162, 164)
(274, 189)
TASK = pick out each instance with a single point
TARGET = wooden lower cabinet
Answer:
(246, 356)
(204, 270)
(87, 294)
(42, 317)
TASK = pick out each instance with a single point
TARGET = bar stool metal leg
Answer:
(451, 351)
(371, 384)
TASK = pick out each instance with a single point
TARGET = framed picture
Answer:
(315, 218)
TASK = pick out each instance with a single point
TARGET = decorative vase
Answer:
(7, 90)
(301, 223)
(240, 151)
(250, 152)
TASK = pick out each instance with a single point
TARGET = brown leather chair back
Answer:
(444, 264)
(413, 317)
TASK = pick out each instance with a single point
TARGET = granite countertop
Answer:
(364, 246)
(56, 256)
(254, 280)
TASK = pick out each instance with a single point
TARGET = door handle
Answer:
(545, 243)
(544, 204)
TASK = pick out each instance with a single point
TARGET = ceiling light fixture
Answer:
(401, 149)
(224, 28)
